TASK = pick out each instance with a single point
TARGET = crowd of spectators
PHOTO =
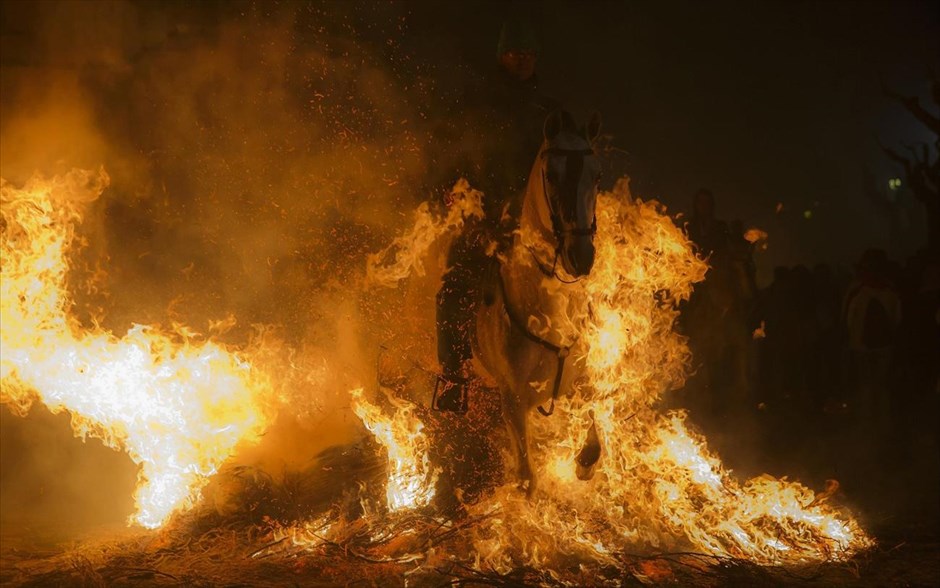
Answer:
(841, 367)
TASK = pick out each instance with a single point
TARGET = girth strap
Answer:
(561, 352)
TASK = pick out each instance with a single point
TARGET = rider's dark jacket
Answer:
(510, 114)
(505, 118)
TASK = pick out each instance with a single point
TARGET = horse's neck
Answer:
(530, 291)
(535, 225)
(533, 243)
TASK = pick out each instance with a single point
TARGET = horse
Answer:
(552, 249)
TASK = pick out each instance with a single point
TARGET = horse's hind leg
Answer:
(514, 413)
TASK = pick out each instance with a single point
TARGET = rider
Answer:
(513, 111)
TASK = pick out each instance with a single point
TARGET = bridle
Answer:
(574, 166)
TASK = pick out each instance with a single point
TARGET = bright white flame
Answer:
(176, 403)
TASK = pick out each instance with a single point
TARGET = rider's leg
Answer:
(455, 305)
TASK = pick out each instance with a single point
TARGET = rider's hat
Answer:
(517, 35)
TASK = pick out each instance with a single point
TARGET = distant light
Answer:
(807, 214)
(894, 184)
(761, 331)
(753, 235)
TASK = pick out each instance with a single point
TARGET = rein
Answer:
(559, 351)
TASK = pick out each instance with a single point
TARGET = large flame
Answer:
(411, 478)
(179, 404)
(656, 485)
(176, 403)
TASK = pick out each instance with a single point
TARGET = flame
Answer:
(411, 479)
(656, 485)
(176, 403)
(409, 251)
(179, 405)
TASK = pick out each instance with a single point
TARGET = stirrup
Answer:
(450, 394)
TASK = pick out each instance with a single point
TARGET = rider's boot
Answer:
(451, 393)
(454, 317)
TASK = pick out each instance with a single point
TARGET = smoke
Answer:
(257, 153)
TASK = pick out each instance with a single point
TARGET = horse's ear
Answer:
(593, 129)
(553, 125)
(558, 121)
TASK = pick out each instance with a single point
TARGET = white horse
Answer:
(552, 249)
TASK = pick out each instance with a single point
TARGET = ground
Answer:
(209, 551)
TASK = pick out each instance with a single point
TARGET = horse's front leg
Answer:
(514, 413)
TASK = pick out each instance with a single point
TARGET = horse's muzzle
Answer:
(578, 256)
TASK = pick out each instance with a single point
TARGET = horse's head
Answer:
(570, 172)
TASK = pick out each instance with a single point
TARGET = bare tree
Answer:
(920, 172)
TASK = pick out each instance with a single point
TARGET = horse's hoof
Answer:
(589, 455)
(453, 397)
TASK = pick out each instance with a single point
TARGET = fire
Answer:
(656, 485)
(411, 479)
(409, 252)
(176, 403)
(761, 331)
(180, 404)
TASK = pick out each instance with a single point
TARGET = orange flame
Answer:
(656, 483)
(761, 331)
(411, 479)
(177, 404)
(409, 251)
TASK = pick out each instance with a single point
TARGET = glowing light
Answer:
(753, 235)
(656, 483)
(760, 332)
(176, 403)
(407, 253)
